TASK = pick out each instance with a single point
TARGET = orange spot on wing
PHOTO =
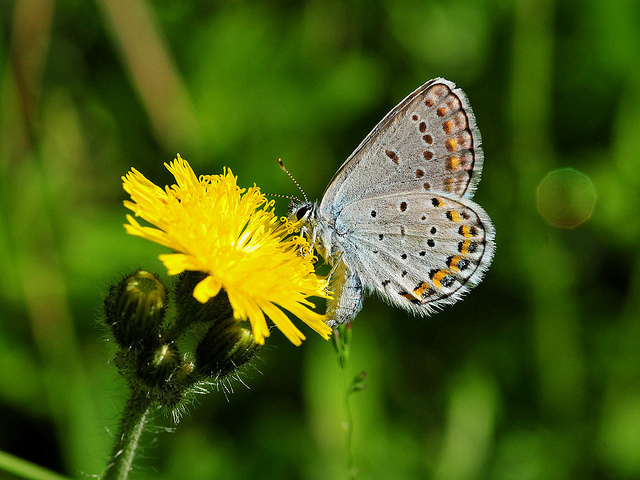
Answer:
(421, 289)
(464, 247)
(453, 263)
(466, 231)
(452, 163)
(454, 216)
(438, 277)
(410, 296)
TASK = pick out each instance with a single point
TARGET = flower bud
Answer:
(225, 348)
(135, 309)
(341, 342)
(190, 310)
(157, 365)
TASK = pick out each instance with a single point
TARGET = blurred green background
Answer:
(536, 375)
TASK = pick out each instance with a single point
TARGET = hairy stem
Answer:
(134, 418)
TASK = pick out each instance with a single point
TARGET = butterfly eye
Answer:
(302, 211)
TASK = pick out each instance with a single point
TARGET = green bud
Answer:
(191, 310)
(225, 348)
(157, 365)
(341, 342)
(184, 372)
(135, 309)
(357, 384)
(174, 391)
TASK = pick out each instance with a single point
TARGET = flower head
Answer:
(234, 237)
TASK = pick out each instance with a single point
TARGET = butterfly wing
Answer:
(427, 143)
(418, 251)
(397, 215)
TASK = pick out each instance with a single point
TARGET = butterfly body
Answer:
(397, 218)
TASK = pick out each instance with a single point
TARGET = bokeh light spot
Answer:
(566, 198)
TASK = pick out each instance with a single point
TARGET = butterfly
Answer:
(397, 218)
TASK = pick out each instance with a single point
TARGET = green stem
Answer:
(27, 470)
(349, 425)
(341, 342)
(134, 418)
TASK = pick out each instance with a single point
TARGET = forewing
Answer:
(429, 142)
(417, 251)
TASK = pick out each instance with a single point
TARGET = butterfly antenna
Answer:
(277, 195)
(294, 180)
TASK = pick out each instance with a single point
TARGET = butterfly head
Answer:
(302, 211)
(306, 212)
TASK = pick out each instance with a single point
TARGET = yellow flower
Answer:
(233, 236)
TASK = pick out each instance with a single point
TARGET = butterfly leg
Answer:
(314, 236)
(311, 235)
(347, 300)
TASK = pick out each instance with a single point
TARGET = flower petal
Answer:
(206, 289)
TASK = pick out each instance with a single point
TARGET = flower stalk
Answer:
(342, 344)
(134, 418)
